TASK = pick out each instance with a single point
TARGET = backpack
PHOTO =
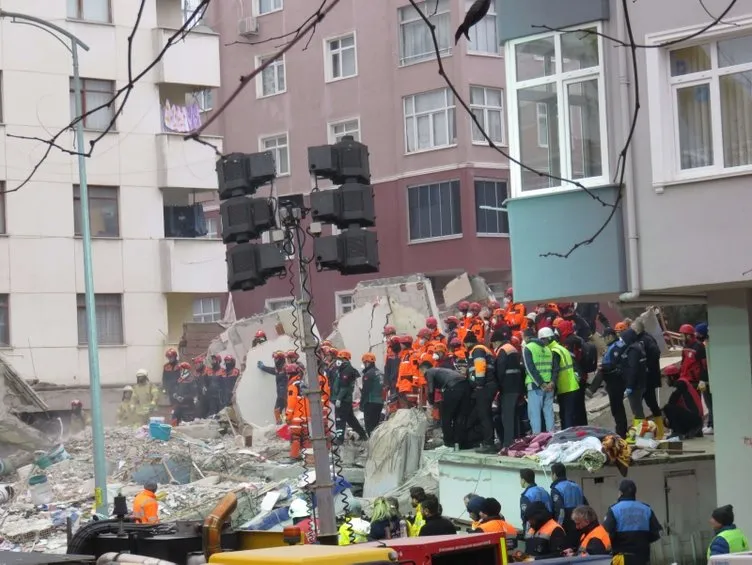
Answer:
(589, 360)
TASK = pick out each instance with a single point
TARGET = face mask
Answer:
(362, 367)
(436, 357)
(339, 362)
(469, 315)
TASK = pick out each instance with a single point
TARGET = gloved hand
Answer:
(628, 392)
(260, 364)
(338, 404)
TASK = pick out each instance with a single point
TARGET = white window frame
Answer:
(257, 7)
(279, 303)
(214, 313)
(663, 120)
(486, 109)
(414, 16)
(273, 67)
(204, 98)
(430, 239)
(561, 80)
(328, 53)
(341, 308)
(473, 31)
(450, 109)
(275, 149)
(332, 135)
(541, 112)
(187, 7)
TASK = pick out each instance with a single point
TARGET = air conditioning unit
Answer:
(248, 26)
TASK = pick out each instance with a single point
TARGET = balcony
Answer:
(193, 60)
(193, 265)
(186, 164)
(553, 223)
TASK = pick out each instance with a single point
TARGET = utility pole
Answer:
(100, 468)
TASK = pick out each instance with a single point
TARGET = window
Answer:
(416, 43)
(103, 211)
(486, 104)
(338, 130)
(188, 8)
(4, 321)
(341, 57)
(278, 146)
(429, 120)
(559, 99)
(3, 214)
(489, 197)
(274, 304)
(272, 79)
(213, 227)
(94, 93)
(268, 6)
(344, 303)
(109, 317)
(89, 10)
(483, 34)
(207, 309)
(204, 99)
(434, 210)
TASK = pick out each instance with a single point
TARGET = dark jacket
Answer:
(510, 374)
(566, 495)
(546, 547)
(280, 378)
(581, 327)
(437, 526)
(633, 361)
(591, 312)
(594, 546)
(441, 379)
(652, 359)
(683, 398)
(373, 386)
(344, 386)
(385, 529)
(391, 370)
(632, 526)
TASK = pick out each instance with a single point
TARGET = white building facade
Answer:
(157, 260)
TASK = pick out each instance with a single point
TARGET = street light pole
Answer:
(100, 468)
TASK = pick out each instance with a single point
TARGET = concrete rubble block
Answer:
(465, 287)
(394, 452)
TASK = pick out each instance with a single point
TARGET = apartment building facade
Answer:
(678, 233)
(153, 265)
(370, 71)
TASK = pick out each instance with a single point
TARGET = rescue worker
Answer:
(456, 351)
(280, 380)
(541, 370)
(653, 375)
(385, 524)
(491, 521)
(297, 411)
(407, 376)
(566, 495)
(633, 363)
(441, 356)
(372, 395)
(417, 497)
(591, 313)
(727, 537)
(436, 335)
(145, 505)
(545, 316)
(435, 523)
(215, 374)
(354, 529)
(511, 382)
(532, 493)
(545, 538)
(585, 357)
(342, 394)
(230, 379)
(78, 420)
(579, 325)
(199, 371)
(145, 396)
(170, 372)
(259, 338)
(566, 384)
(701, 333)
(515, 313)
(463, 308)
(632, 525)
(451, 325)
(594, 539)
(127, 414)
(455, 404)
(482, 379)
(391, 359)
(474, 506)
(184, 396)
(620, 327)
(610, 373)
(300, 512)
(684, 407)
(423, 343)
(293, 357)
(475, 323)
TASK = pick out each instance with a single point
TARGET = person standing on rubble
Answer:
(408, 386)
(342, 393)
(511, 381)
(372, 395)
(694, 360)
(633, 362)
(566, 384)
(78, 420)
(170, 373)
(610, 373)
(145, 505)
(483, 382)
(391, 358)
(436, 335)
(652, 374)
(455, 404)
(542, 370)
(475, 323)
(280, 381)
(145, 396)
(126, 413)
(451, 325)
(228, 382)
(214, 377)
(199, 371)
(585, 357)
(297, 412)
(184, 396)
(701, 333)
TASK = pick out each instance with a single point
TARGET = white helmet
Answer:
(545, 333)
(142, 373)
(299, 508)
(127, 388)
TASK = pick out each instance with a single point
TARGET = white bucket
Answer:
(40, 492)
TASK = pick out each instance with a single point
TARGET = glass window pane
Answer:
(424, 211)
(695, 131)
(96, 10)
(546, 158)
(456, 209)
(735, 51)
(424, 132)
(347, 41)
(476, 95)
(585, 129)
(493, 97)
(535, 59)
(690, 60)
(494, 127)
(348, 62)
(336, 67)
(736, 117)
(441, 219)
(410, 134)
(73, 9)
(477, 134)
(430, 101)
(412, 205)
(440, 133)
(579, 50)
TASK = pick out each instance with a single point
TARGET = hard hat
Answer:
(389, 330)
(452, 320)
(368, 358)
(217, 358)
(299, 508)
(327, 343)
(439, 347)
(185, 366)
(76, 403)
(431, 322)
(621, 326)
(171, 353)
(292, 354)
(145, 373)
(426, 358)
(344, 354)
(394, 339)
(515, 341)
(687, 329)
(475, 307)
(509, 292)
(701, 329)
(127, 388)
(565, 328)
(557, 321)
(545, 333)
(406, 339)
(493, 305)
(424, 333)
(292, 369)
(260, 334)
(229, 359)
(278, 355)
(198, 360)
(331, 351)
(464, 305)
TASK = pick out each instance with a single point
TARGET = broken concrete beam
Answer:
(465, 287)
(414, 291)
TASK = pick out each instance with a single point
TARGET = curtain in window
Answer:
(269, 80)
(417, 43)
(483, 36)
(695, 128)
(109, 318)
(96, 10)
(97, 93)
(736, 116)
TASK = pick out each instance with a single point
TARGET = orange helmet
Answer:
(292, 354)
(344, 354)
(432, 323)
(552, 306)
(171, 353)
(440, 348)
(557, 321)
(368, 358)
(332, 351)
(621, 326)
(389, 330)
(426, 358)
(424, 333)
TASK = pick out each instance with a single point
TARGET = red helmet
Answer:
(475, 308)
(394, 339)
(216, 358)
(327, 343)
(406, 339)
(455, 342)
(229, 359)
(424, 333)
(494, 305)
(389, 330)
(171, 353)
(432, 323)
(76, 403)
(292, 354)
(278, 355)
(515, 341)
(452, 320)
(464, 306)
(687, 329)
(198, 360)
(292, 369)
(260, 334)
(509, 292)
(185, 366)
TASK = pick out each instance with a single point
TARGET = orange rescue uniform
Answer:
(146, 508)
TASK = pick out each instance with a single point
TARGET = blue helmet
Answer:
(702, 329)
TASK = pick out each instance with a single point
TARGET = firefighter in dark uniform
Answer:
(280, 380)
(229, 380)
(170, 373)
(483, 380)
(185, 396)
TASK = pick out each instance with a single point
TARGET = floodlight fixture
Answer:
(241, 174)
(250, 265)
(245, 218)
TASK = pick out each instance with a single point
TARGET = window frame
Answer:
(186, 12)
(430, 239)
(538, 115)
(328, 53)
(447, 109)
(491, 12)
(475, 200)
(77, 203)
(486, 108)
(5, 342)
(3, 210)
(279, 300)
(84, 90)
(257, 8)
(561, 80)
(80, 9)
(262, 147)
(431, 54)
(204, 313)
(332, 138)
(663, 112)
(83, 340)
(260, 77)
(339, 307)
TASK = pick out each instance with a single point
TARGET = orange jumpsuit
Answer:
(146, 508)
(408, 378)
(437, 336)
(477, 325)
(516, 315)
(296, 415)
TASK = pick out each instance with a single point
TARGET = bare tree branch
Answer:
(294, 33)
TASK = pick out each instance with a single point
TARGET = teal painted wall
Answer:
(554, 223)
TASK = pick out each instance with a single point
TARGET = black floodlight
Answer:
(325, 206)
(242, 173)
(353, 252)
(245, 218)
(357, 206)
(353, 160)
(322, 161)
(251, 264)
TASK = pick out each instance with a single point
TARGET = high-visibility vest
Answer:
(545, 530)
(543, 361)
(600, 533)
(736, 540)
(481, 366)
(567, 378)
(146, 508)
(498, 525)
(413, 530)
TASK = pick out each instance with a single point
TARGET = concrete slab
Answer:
(457, 289)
